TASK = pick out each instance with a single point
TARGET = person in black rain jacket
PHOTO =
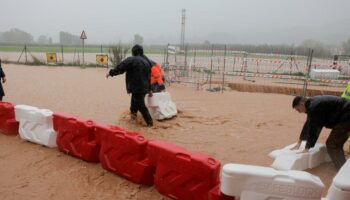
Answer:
(137, 79)
(3, 80)
(325, 111)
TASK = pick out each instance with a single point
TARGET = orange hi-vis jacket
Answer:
(156, 75)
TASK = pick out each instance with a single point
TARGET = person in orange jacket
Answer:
(157, 78)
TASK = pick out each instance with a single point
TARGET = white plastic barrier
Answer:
(286, 159)
(340, 188)
(247, 182)
(160, 106)
(324, 74)
(35, 125)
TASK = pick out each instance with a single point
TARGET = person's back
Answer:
(137, 74)
(328, 111)
(138, 71)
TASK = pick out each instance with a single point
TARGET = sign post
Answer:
(83, 37)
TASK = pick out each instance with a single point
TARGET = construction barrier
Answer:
(160, 106)
(248, 182)
(324, 74)
(176, 173)
(124, 153)
(181, 174)
(8, 123)
(286, 159)
(340, 188)
(76, 137)
(35, 125)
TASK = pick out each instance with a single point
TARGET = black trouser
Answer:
(335, 143)
(138, 104)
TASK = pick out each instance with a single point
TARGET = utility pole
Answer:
(182, 42)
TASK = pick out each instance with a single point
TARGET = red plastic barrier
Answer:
(181, 174)
(8, 123)
(76, 137)
(124, 153)
(216, 194)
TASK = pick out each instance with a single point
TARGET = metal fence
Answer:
(219, 68)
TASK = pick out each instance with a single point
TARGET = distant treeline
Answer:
(320, 50)
(16, 37)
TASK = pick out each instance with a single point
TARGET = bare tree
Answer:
(346, 47)
(138, 39)
(118, 53)
(17, 36)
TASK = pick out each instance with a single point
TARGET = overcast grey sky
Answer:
(159, 21)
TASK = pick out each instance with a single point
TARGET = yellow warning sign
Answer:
(51, 58)
(102, 60)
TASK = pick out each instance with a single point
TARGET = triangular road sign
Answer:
(83, 35)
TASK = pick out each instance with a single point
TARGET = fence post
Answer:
(186, 66)
(211, 65)
(62, 53)
(25, 52)
(19, 58)
(167, 55)
(307, 73)
(223, 72)
(245, 65)
(194, 58)
(234, 62)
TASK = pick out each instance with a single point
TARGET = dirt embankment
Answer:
(248, 87)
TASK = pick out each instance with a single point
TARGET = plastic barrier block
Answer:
(248, 182)
(340, 188)
(35, 125)
(124, 153)
(286, 159)
(181, 174)
(76, 137)
(161, 106)
(324, 74)
(8, 123)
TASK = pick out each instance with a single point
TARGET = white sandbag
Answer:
(248, 182)
(340, 188)
(286, 159)
(36, 125)
(160, 106)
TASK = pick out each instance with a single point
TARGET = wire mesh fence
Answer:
(221, 67)
(217, 68)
